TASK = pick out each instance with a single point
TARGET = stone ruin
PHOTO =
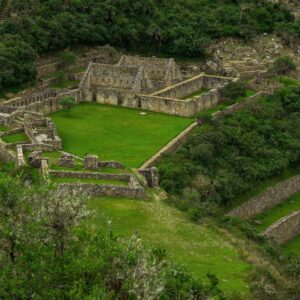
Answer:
(91, 162)
(66, 160)
(151, 175)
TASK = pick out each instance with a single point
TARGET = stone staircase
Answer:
(4, 9)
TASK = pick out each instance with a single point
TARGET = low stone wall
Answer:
(90, 175)
(238, 106)
(192, 85)
(268, 199)
(169, 106)
(96, 190)
(38, 147)
(285, 229)
(111, 164)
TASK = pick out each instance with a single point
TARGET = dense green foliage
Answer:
(283, 65)
(233, 91)
(227, 157)
(177, 27)
(46, 252)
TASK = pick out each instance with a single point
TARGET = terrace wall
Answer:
(268, 199)
(97, 190)
(90, 175)
(285, 229)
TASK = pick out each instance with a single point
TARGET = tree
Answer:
(67, 58)
(67, 102)
(233, 91)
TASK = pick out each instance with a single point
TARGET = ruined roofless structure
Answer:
(154, 84)
(116, 84)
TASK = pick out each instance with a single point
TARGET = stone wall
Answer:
(111, 164)
(285, 229)
(192, 85)
(268, 199)
(96, 190)
(90, 175)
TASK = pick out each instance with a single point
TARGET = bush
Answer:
(233, 91)
(283, 65)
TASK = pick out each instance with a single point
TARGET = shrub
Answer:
(283, 65)
(233, 91)
(67, 102)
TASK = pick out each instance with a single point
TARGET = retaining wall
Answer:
(268, 199)
(285, 229)
(96, 190)
(91, 175)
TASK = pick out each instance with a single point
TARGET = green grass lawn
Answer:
(14, 138)
(197, 247)
(278, 212)
(116, 133)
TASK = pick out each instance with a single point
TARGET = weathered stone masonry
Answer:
(285, 229)
(268, 199)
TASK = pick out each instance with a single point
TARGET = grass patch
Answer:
(197, 247)
(51, 75)
(78, 70)
(293, 246)
(198, 93)
(278, 212)
(286, 81)
(14, 138)
(116, 133)
(65, 84)
(88, 180)
(4, 128)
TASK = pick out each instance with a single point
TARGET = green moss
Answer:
(116, 133)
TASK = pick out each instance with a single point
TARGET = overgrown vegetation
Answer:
(225, 158)
(170, 26)
(46, 252)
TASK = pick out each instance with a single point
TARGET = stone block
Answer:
(91, 162)
(66, 160)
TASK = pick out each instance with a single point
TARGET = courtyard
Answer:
(116, 133)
